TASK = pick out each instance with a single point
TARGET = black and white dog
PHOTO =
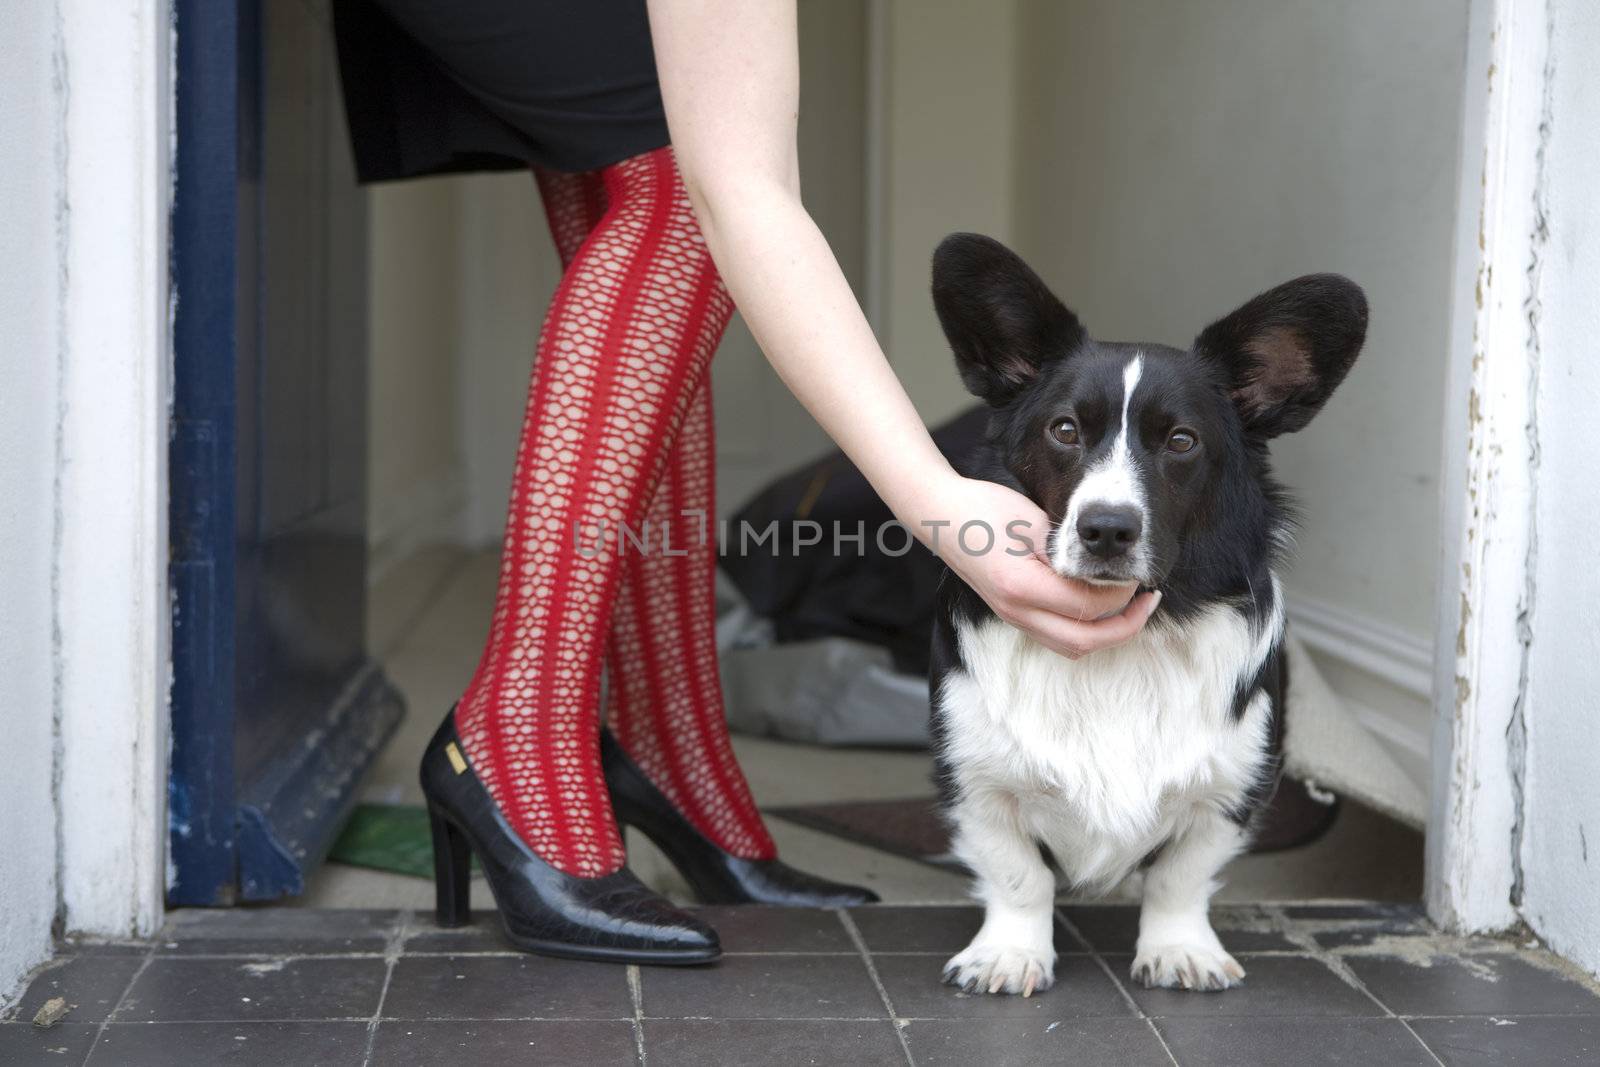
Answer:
(1152, 465)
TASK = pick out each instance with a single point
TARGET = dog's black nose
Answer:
(1109, 531)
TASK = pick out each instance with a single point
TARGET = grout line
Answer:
(636, 995)
(1335, 963)
(391, 955)
(1105, 968)
(100, 1031)
(505, 953)
(877, 982)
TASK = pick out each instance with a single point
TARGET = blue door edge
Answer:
(203, 450)
(232, 838)
(280, 839)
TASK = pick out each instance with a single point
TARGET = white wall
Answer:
(29, 340)
(1175, 159)
(84, 94)
(1560, 857)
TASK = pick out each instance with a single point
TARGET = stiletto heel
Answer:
(452, 872)
(718, 877)
(614, 917)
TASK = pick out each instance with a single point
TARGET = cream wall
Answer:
(1175, 159)
(463, 268)
(949, 129)
(415, 463)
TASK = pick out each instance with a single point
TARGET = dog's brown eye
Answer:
(1181, 441)
(1065, 431)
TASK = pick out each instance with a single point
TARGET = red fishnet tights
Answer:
(618, 418)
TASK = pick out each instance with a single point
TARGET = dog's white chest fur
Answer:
(1103, 758)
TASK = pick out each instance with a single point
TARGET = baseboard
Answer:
(1383, 651)
(1379, 648)
(429, 513)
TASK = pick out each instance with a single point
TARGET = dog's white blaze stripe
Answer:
(1114, 480)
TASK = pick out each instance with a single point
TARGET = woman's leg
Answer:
(664, 697)
(664, 700)
(623, 350)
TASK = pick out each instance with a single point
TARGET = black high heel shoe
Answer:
(717, 876)
(615, 917)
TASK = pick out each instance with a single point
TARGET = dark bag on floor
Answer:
(876, 590)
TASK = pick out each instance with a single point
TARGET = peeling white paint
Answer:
(1488, 484)
(1560, 870)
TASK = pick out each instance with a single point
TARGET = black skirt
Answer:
(439, 86)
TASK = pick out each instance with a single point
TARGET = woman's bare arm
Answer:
(730, 81)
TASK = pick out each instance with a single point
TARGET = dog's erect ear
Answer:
(1002, 322)
(1288, 349)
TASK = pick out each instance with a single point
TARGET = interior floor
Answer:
(427, 617)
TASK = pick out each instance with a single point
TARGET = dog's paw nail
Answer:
(1197, 967)
(994, 969)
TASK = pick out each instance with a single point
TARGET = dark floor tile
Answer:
(1028, 1041)
(1371, 910)
(1472, 985)
(91, 986)
(747, 928)
(178, 989)
(425, 1044)
(1548, 1042)
(1303, 1042)
(1364, 935)
(1081, 990)
(506, 987)
(276, 931)
(83, 946)
(791, 1043)
(764, 987)
(888, 928)
(943, 929)
(64, 1043)
(1348, 926)
(1273, 985)
(275, 1044)
(1115, 928)
(1243, 928)
(484, 934)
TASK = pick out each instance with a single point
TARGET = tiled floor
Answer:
(1327, 984)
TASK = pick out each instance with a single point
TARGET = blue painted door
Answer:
(277, 708)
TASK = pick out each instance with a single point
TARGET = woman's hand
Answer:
(1071, 617)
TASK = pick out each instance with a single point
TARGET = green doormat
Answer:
(387, 837)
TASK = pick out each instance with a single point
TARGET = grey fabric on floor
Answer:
(831, 691)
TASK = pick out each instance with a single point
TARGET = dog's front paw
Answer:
(1186, 966)
(987, 967)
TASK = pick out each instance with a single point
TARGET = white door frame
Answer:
(1484, 587)
(113, 620)
(112, 656)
